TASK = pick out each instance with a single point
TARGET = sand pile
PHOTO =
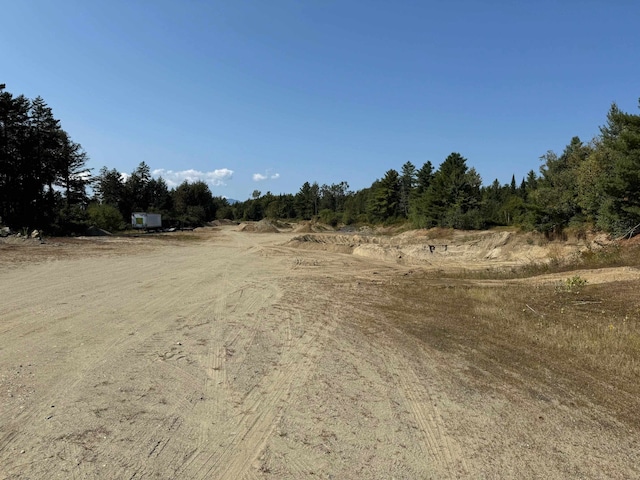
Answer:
(263, 226)
(303, 227)
(444, 246)
(312, 227)
(221, 222)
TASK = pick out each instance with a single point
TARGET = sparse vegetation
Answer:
(573, 284)
(590, 341)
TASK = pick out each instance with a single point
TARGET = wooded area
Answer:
(45, 184)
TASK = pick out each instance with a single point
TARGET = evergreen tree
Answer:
(159, 196)
(407, 184)
(419, 202)
(423, 178)
(15, 200)
(45, 158)
(305, 202)
(332, 197)
(453, 197)
(620, 140)
(355, 206)
(315, 196)
(73, 178)
(286, 206)
(36, 156)
(493, 199)
(109, 187)
(135, 193)
(193, 203)
(556, 197)
(384, 202)
(591, 179)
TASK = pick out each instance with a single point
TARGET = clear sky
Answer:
(268, 94)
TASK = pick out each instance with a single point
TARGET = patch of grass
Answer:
(610, 256)
(574, 284)
(583, 339)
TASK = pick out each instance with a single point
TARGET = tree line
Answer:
(589, 185)
(44, 183)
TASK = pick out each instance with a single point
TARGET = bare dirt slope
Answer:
(231, 355)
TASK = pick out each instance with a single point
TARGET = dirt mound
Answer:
(263, 226)
(303, 227)
(465, 249)
(311, 227)
(327, 242)
(221, 222)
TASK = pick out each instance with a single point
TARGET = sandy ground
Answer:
(236, 356)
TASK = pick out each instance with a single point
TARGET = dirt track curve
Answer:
(237, 357)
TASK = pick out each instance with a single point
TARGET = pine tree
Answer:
(453, 195)
(620, 212)
(384, 202)
(14, 134)
(304, 202)
(36, 156)
(407, 184)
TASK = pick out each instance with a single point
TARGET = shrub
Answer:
(106, 217)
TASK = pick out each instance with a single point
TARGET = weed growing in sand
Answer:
(573, 284)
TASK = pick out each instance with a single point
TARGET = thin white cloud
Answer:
(259, 177)
(173, 178)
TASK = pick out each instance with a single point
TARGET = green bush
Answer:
(329, 217)
(106, 217)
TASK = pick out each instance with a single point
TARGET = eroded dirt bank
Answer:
(229, 355)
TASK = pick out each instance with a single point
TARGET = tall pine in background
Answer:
(620, 211)
(43, 178)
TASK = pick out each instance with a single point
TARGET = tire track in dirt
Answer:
(68, 379)
(215, 405)
(260, 410)
(211, 388)
(94, 360)
(215, 379)
(231, 332)
(212, 384)
(445, 454)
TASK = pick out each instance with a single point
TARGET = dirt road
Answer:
(234, 356)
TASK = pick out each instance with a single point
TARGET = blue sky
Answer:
(268, 94)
